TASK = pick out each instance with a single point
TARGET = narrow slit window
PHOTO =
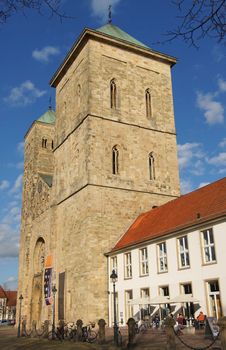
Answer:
(113, 93)
(44, 143)
(151, 166)
(148, 103)
(115, 160)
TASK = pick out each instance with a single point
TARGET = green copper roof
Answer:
(48, 117)
(118, 33)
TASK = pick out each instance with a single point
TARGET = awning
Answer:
(139, 301)
(184, 298)
(160, 300)
(147, 301)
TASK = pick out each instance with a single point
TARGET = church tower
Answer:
(114, 156)
(36, 216)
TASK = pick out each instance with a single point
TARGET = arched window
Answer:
(39, 255)
(113, 93)
(151, 161)
(44, 143)
(148, 103)
(115, 160)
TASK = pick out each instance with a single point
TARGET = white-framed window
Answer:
(162, 257)
(214, 298)
(128, 306)
(209, 254)
(143, 252)
(186, 288)
(128, 265)
(183, 252)
(164, 291)
(144, 293)
(114, 265)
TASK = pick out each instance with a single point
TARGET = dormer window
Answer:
(113, 93)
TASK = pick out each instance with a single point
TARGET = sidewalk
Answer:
(152, 339)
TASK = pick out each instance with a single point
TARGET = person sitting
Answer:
(200, 320)
(180, 323)
(156, 321)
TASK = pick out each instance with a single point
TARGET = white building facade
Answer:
(190, 259)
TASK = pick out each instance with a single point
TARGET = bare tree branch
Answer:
(198, 19)
(10, 7)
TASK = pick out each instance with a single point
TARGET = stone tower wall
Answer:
(93, 206)
(36, 220)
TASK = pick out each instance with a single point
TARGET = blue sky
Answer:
(33, 46)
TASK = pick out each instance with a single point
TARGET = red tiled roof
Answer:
(11, 298)
(9, 295)
(200, 205)
(2, 293)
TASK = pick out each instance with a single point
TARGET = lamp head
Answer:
(113, 276)
(54, 290)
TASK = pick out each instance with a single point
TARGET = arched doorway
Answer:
(37, 284)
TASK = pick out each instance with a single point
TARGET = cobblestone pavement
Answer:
(152, 339)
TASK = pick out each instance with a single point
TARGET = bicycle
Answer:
(88, 334)
(142, 328)
(55, 334)
(70, 331)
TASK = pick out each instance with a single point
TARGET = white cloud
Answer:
(17, 184)
(202, 184)
(223, 143)
(187, 152)
(218, 54)
(10, 283)
(214, 111)
(222, 171)
(45, 53)
(9, 240)
(219, 160)
(24, 94)
(4, 184)
(100, 7)
(185, 186)
(222, 85)
(20, 147)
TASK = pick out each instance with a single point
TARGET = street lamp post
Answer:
(54, 290)
(114, 277)
(19, 321)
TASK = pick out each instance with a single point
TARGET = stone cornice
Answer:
(102, 37)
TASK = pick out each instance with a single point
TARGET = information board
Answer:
(211, 328)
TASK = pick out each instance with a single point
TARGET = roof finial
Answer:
(50, 102)
(109, 14)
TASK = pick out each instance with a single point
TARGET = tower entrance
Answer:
(37, 301)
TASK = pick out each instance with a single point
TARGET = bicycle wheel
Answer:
(142, 328)
(92, 335)
(54, 336)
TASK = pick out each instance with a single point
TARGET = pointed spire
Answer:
(109, 15)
